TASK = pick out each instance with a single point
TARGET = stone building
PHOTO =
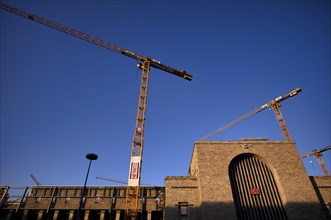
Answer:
(246, 179)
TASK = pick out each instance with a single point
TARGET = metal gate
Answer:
(254, 189)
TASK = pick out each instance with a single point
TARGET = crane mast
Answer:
(133, 190)
(318, 154)
(276, 107)
(274, 104)
(145, 63)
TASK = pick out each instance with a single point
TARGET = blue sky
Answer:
(62, 98)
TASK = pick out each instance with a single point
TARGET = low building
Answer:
(62, 202)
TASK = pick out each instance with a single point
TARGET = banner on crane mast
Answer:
(134, 174)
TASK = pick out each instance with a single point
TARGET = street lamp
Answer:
(90, 157)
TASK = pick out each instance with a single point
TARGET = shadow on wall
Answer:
(217, 210)
(320, 197)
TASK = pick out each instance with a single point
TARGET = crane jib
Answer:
(76, 33)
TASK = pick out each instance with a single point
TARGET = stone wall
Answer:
(322, 186)
(182, 191)
(212, 192)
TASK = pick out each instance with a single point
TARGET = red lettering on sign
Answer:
(134, 170)
(255, 191)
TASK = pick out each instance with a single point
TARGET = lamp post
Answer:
(90, 157)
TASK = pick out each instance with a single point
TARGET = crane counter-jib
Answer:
(290, 94)
(107, 45)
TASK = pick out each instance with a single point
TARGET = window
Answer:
(183, 210)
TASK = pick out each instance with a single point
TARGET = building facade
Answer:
(62, 202)
(246, 179)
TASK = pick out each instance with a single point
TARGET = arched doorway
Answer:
(254, 189)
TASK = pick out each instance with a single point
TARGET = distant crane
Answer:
(35, 180)
(144, 63)
(318, 154)
(115, 180)
(112, 180)
(274, 104)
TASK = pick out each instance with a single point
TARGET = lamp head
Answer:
(91, 156)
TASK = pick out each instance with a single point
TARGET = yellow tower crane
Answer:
(318, 154)
(274, 104)
(144, 63)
